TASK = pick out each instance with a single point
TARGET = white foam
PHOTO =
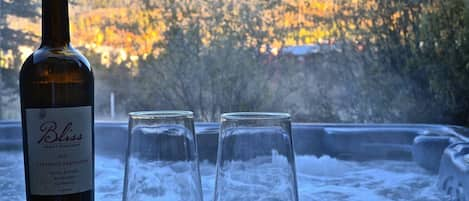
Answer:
(331, 179)
(319, 179)
(163, 180)
(324, 166)
(12, 176)
(261, 178)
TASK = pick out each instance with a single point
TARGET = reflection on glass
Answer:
(162, 159)
(255, 158)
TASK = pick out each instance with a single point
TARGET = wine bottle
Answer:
(57, 109)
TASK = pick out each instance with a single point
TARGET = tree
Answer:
(445, 50)
(10, 40)
(415, 57)
(18, 8)
(210, 62)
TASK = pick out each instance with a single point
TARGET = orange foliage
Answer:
(134, 30)
(137, 31)
(303, 20)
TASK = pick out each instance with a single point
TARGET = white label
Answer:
(59, 148)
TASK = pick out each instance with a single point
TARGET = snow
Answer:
(319, 179)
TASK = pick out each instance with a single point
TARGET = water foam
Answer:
(319, 179)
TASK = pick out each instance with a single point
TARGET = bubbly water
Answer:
(12, 176)
(325, 178)
(319, 179)
(163, 181)
(258, 179)
(162, 165)
(256, 165)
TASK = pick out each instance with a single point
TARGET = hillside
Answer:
(392, 60)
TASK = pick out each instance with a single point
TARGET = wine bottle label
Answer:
(60, 150)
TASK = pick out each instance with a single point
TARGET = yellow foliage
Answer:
(125, 34)
(129, 29)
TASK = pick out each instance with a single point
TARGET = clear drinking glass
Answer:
(162, 162)
(255, 158)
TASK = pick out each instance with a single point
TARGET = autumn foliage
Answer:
(373, 60)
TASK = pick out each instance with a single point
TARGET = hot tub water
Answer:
(319, 179)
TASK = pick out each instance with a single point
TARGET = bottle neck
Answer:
(55, 25)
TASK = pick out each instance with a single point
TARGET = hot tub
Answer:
(334, 161)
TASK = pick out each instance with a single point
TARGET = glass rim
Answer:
(160, 114)
(255, 116)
